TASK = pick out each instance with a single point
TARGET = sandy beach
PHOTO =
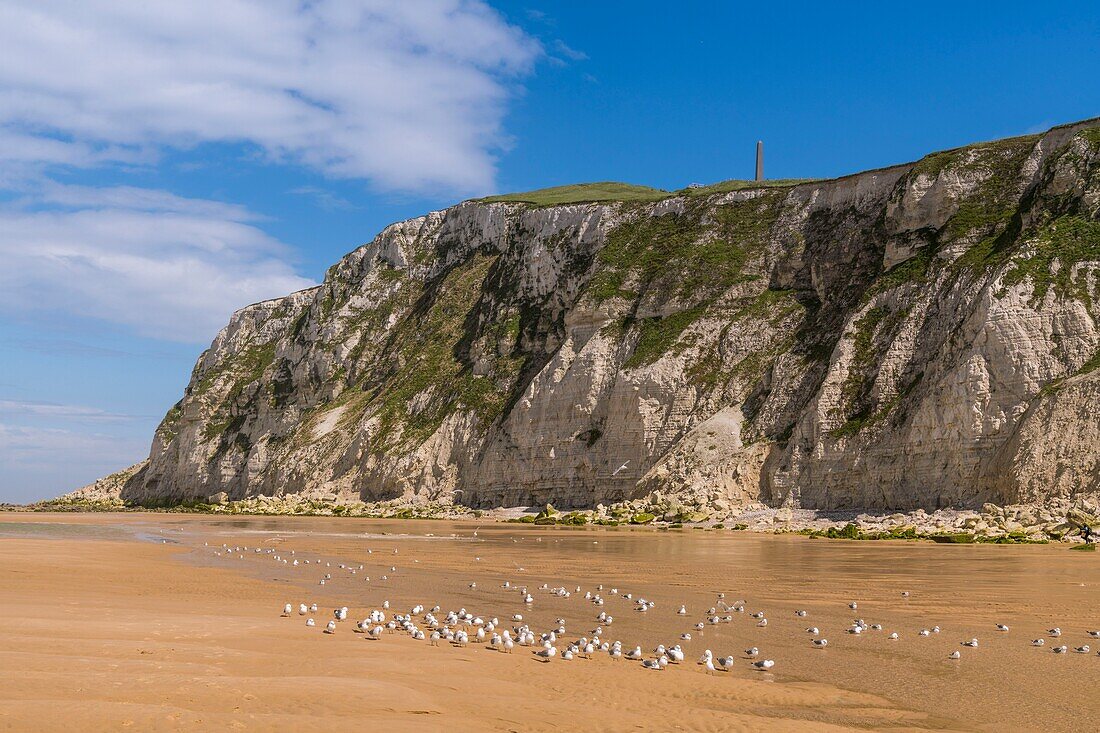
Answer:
(146, 622)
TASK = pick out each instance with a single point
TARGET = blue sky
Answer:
(161, 167)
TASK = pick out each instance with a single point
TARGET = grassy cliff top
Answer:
(582, 192)
(615, 191)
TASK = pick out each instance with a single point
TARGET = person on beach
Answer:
(1086, 532)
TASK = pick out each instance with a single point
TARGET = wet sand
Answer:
(133, 621)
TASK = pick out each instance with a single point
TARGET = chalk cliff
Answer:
(924, 335)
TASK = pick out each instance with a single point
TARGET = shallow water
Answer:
(965, 589)
(63, 531)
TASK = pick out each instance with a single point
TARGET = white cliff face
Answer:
(919, 336)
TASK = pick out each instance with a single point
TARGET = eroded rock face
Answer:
(918, 336)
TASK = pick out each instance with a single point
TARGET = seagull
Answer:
(620, 468)
(820, 643)
(1082, 649)
(1055, 631)
(800, 613)
(852, 605)
(1002, 627)
(1038, 642)
(925, 632)
(547, 653)
(682, 612)
(954, 655)
(752, 652)
(1059, 649)
(1094, 634)
(813, 630)
(310, 622)
(330, 628)
(893, 636)
(635, 654)
(971, 643)
(764, 664)
(287, 610)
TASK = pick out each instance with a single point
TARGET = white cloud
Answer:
(408, 94)
(165, 266)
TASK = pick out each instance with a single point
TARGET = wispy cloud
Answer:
(31, 409)
(540, 16)
(326, 200)
(69, 347)
(408, 95)
(23, 443)
(40, 462)
(568, 52)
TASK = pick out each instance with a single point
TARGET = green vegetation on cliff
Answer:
(427, 381)
(696, 255)
(1058, 247)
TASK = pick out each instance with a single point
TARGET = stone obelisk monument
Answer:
(760, 160)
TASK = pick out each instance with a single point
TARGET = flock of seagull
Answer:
(459, 627)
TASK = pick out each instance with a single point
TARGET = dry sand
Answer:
(107, 627)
